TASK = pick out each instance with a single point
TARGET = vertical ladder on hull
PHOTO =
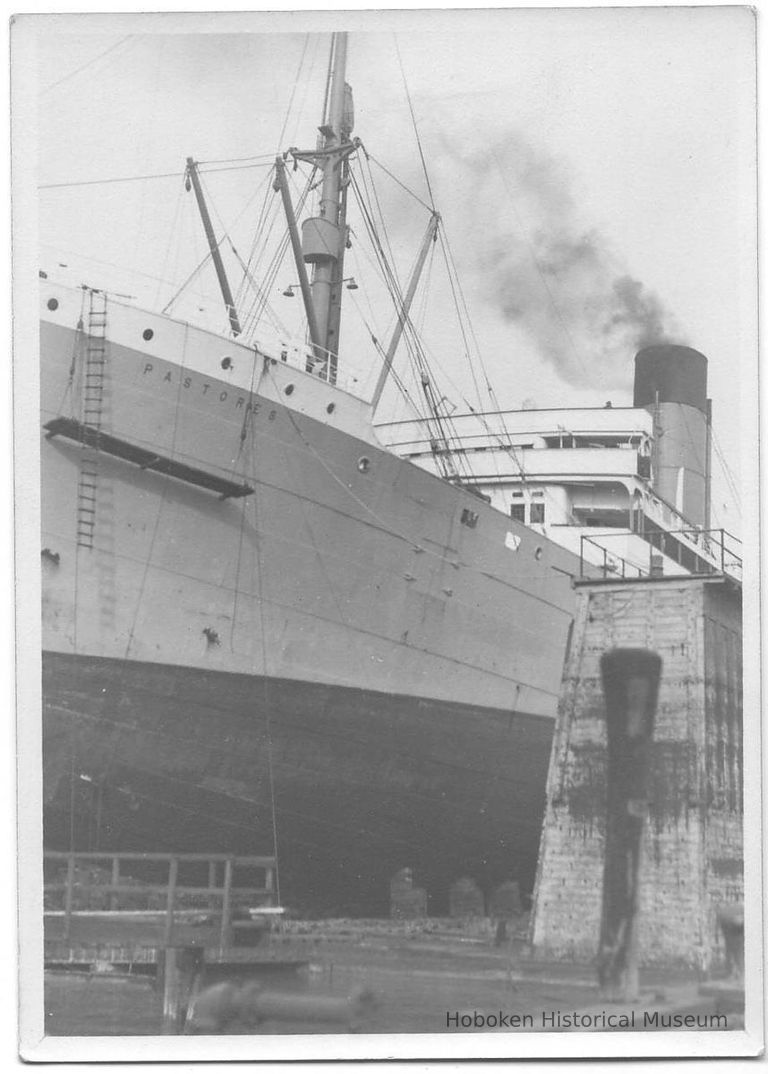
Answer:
(93, 403)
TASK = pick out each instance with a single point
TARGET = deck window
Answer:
(537, 513)
(517, 511)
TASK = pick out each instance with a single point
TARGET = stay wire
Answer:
(421, 368)
(541, 274)
(381, 522)
(415, 125)
(141, 178)
(88, 63)
(296, 81)
(172, 237)
(399, 182)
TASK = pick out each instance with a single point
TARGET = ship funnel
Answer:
(671, 383)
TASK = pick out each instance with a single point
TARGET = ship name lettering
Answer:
(187, 382)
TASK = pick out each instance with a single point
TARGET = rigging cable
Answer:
(729, 476)
(242, 286)
(386, 527)
(141, 178)
(328, 77)
(260, 294)
(88, 63)
(256, 310)
(296, 81)
(444, 459)
(257, 587)
(415, 126)
(167, 307)
(77, 347)
(423, 372)
(387, 270)
(540, 272)
(173, 235)
(207, 256)
(400, 183)
(163, 496)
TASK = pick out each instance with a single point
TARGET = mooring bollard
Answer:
(631, 687)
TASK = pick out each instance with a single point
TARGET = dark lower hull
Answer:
(354, 784)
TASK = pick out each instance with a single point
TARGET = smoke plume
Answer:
(552, 276)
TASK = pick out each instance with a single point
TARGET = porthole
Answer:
(53, 303)
(539, 551)
(226, 363)
(147, 334)
(330, 408)
(289, 389)
(363, 464)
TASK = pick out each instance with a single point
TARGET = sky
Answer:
(594, 170)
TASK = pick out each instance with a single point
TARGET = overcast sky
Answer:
(591, 167)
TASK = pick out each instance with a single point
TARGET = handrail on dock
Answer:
(696, 551)
(220, 898)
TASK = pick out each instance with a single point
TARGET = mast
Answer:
(324, 237)
(328, 267)
(229, 302)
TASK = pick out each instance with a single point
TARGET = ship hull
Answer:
(351, 785)
(383, 642)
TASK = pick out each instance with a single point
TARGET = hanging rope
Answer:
(161, 504)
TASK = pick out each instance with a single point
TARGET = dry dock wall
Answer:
(692, 854)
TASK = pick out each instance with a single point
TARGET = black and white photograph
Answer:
(387, 532)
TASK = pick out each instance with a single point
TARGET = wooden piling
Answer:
(173, 870)
(178, 969)
(68, 895)
(226, 907)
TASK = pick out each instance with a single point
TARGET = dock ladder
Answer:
(93, 405)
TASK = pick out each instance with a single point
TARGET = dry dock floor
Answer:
(419, 973)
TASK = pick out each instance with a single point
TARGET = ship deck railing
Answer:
(157, 900)
(692, 550)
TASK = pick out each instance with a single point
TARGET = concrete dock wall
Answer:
(692, 853)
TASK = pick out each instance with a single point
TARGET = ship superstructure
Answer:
(624, 488)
